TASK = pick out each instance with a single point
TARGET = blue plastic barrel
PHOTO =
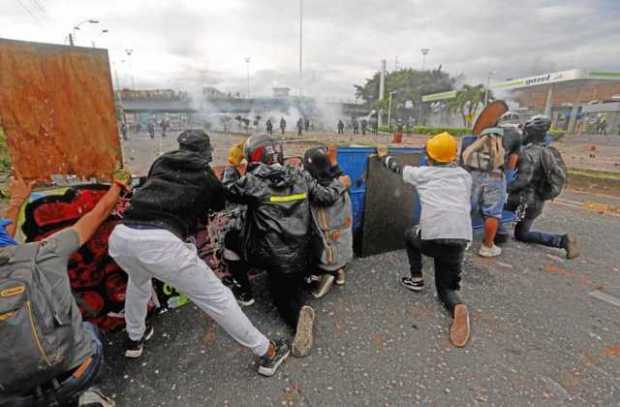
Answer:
(354, 162)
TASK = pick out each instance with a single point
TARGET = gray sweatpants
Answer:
(158, 253)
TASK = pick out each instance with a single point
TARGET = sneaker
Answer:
(460, 329)
(572, 248)
(244, 298)
(413, 283)
(269, 366)
(134, 349)
(341, 277)
(302, 344)
(325, 284)
(492, 251)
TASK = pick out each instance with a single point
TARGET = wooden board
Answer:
(391, 206)
(57, 110)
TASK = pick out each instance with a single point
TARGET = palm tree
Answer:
(467, 102)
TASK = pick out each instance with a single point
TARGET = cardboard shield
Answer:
(490, 116)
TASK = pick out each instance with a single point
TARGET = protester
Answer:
(333, 224)
(300, 126)
(124, 130)
(541, 176)
(445, 226)
(307, 125)
(364, 126)
(340, 127)
(356, 126)
(276, 235)
(282, 125)
(151, 128)
(269, 127)
(63, 357)
(485, 161)
(178, 193)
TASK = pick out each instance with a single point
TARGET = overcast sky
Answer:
(189, 43)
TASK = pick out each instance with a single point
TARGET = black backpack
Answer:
(556, 173)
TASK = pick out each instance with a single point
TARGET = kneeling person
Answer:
(276, 234)
(333, 223)
(445, 226)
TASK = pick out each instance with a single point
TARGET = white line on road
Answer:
(610, 299)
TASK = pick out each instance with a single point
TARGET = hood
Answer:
(277, 175)
(184, 160)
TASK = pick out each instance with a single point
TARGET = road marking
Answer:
(610, 299)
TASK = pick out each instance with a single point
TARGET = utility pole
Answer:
(129, 52)
(486, 89)
(301, 45)
(390, 109)
(381, 90)
(424, 52)
(247, 62)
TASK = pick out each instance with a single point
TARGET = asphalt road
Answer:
(546, 331)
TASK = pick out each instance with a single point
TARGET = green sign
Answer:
(451, 94)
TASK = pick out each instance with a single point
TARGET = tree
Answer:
(467, 102)
(411, 84)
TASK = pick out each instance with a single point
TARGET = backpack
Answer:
(483, 154)
(35, 331)
(555, 171)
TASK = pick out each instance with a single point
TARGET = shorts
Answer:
(488, 194)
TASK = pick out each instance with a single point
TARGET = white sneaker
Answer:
(492, 251)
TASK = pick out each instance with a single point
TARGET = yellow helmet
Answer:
(442, 147)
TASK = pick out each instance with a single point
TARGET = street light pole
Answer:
(301, 46)
(129, 52)
(486, 89)
(104, 31)
(424, 52)
(390, 110)
(247, 62)
(72, 36)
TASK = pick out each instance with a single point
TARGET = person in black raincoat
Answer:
(276, 234)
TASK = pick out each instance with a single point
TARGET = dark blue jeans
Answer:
(524, 232)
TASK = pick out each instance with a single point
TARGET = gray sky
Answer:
(186, 43)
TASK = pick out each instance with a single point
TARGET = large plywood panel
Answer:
(391, 206)
(57, 110)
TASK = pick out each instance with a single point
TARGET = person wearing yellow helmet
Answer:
(445, 225)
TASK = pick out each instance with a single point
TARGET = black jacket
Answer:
(179, 191)
(530, 174)
(277, 234)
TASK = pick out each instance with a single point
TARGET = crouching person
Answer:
(48, 355)
(334, 246)
(445, 226)
(180, 188)
(275, 235)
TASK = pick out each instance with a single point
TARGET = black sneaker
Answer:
(413, 283)
(134, 349)
(269, 366)
(244, 298)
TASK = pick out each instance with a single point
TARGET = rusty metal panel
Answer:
(57, 110)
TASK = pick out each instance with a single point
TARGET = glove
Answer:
(19, 189)
(382, 151)
(235, 155)
(122, 178)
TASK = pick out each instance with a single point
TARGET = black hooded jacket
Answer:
(179, 191)
(277, 235)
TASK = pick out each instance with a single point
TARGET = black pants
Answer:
(448, 260)
(524, 232)
(286, 288)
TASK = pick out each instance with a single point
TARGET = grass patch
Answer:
(606, 175)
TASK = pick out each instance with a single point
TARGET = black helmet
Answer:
(264, 149)
(196, 140)
(316, 162)
(537, 125)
